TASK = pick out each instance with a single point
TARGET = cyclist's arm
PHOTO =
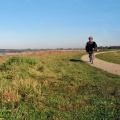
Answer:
(95, 46)
(86, 47)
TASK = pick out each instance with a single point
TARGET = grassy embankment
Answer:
(113, 57)
(56, 86)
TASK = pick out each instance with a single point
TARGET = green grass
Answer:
(113, 57)
(59, 86)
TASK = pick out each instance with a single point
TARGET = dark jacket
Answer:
(90, 46)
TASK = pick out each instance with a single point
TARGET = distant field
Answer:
(56, 85)
(113, 57)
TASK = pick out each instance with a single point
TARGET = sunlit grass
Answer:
(113, 57)
(59, 86)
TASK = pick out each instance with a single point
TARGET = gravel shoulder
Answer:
(106, 66)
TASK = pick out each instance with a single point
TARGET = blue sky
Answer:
(58, 23)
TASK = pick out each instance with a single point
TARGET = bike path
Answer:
(106, 66)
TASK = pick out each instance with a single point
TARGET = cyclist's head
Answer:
(90, 38)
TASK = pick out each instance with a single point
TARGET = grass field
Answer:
(113, 57)
(56, 85)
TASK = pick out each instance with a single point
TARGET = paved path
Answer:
(107, 66)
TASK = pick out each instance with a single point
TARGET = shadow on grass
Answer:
(74, 60)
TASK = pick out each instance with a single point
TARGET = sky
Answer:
(41, 24)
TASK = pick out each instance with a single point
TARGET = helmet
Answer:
(90, 37)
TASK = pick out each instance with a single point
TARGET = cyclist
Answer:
(90, 47)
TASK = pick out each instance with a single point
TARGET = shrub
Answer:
(18, 60)
(21, 60)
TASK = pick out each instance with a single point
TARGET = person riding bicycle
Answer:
(90, 46)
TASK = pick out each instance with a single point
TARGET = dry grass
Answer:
(59, 87)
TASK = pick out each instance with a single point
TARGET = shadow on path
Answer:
(74, 60)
